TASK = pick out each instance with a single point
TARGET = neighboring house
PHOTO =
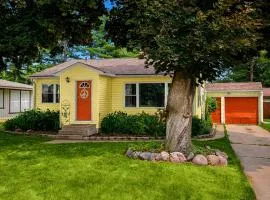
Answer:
(266, 103)
(14, 98)
(86, 91)
(238, 103)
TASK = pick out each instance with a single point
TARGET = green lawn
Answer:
(266, 125)
(31, 169)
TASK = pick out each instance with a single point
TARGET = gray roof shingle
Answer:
(115, 66)
(234, 86)
(14, 85)
(266, 92)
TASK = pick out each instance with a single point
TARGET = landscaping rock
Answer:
(29, 131)
(18, 130)
(145, 156)
(156, 157)
(220, 153)
(213, 160)
(165, 156)
(177, 157)
(200, 160)
(190, 156)
(129, 153)
(136, 154)
(222, 161)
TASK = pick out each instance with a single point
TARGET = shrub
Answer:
(138, 124)
(34, 119)
(210, 106)
(201, 126)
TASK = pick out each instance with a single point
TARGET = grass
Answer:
(31, 169)
(266, 126)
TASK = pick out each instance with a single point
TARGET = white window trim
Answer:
(166, 92)
(54, 93)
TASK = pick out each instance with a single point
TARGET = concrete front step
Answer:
(82, 130)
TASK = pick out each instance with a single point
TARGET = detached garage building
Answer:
(238, 103)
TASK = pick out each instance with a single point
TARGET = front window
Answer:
(152, 94)
(130, 95)
(50, 93)
(146, 94)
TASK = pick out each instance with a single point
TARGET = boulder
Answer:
(165, 156)
(212, 159)
(136, 154)
(222, 161)
(19, 130)
(145, 156)
(190, 156)
(200, 160)
(156, 157)
(177, 157)
(129, 153)
(220, 153)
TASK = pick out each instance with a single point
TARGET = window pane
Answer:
(57, 95)
(1, 98)
(47, 93)
(25, 100)
(14, 101)
(130, 101)
(130, 89)
(152, 94)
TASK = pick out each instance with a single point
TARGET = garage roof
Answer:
(266, 92)
(14, 85)
(247, 86)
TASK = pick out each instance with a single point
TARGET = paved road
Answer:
(252, 145)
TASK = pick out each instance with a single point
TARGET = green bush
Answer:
(201, 126)
(35, 120)
(138, 124)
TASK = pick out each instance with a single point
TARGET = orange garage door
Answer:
(241, 110)
(216, 116)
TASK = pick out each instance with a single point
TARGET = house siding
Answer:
(38, 94)
(105, 96)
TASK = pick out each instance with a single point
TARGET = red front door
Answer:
(84, 100)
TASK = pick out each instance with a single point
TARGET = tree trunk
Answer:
(179, 118)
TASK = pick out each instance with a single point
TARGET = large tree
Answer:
(193, 39)
(27, 26)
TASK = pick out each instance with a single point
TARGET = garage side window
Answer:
(1, 98)
(14, 101)
(50, 93)
(25, 100)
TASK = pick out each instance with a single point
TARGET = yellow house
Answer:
(84, 91)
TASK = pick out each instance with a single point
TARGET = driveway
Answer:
(252, 145)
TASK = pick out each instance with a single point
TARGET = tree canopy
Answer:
(27, 26)
(196, 40)
(195, 37)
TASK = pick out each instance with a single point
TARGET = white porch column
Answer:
(222, 110)
(260, 104)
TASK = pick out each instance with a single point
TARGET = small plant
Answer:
(210, 106)
(201, 126)
(35, 120)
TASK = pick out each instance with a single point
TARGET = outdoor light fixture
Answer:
(67, 79)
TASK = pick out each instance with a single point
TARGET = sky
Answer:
(108, 4)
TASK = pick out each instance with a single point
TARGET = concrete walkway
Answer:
(252, 145)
